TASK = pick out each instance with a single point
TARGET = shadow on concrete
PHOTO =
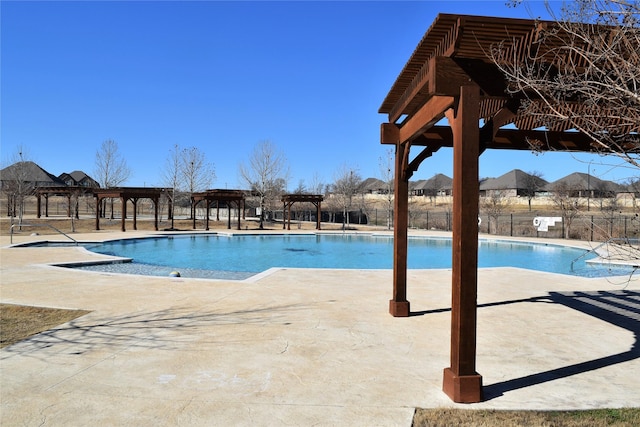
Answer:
(620, 308)
(164, 330)
(545, 299)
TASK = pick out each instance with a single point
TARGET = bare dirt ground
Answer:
(18, 322)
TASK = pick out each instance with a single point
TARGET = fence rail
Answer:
(583, 227)
(39, 225)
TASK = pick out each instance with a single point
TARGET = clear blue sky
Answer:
(222, 76)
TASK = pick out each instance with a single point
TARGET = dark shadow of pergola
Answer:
(619, 308)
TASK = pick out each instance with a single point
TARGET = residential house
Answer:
(29, 174)
(437, 185)
(583, 185)
(515, 183)
(374, 186)
(78, 179)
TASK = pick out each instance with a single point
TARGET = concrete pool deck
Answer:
(303, 346)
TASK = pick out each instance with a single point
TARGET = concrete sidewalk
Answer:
(304, 347)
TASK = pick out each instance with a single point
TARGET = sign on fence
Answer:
(544, 222)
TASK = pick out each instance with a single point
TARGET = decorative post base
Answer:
(399, 308)
(462, 389)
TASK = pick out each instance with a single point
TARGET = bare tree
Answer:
(111, 169)
(196, 171)
(301, 188)
(533, 183)
(17, 185)
(494, 204)
(633, 189)
(577, 75)
(265, 174)
(317, 186)
(171, 175)
(345, 187)
(74, 206)
(564, 197)
(434, 187)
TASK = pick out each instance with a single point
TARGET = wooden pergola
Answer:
(289, 199)
(66, 191)
(229, 197)
(125, 194)
(449, 75)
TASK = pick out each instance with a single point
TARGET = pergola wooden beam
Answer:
(427, 116)
(507, 139)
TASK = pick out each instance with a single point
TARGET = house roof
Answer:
(437, 182)
(514, 179)
(418, 185)
(30, 172)
(583, 181)
(77, 176)
(372, 184)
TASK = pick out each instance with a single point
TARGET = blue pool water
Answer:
(241, 256)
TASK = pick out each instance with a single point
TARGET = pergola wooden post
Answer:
(461, 381)
(98, 211)
(38, 200)
(134, 202)
(123, 215)
(399, 305)
(68, 205)
(156, 209)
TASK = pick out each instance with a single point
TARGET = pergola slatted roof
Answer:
(452, 74)
(469, 37)
(456, 50)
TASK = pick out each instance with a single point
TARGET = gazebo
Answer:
(450, 75)
(289, 199)
(125, 194)
(69, 192)
(229, 197)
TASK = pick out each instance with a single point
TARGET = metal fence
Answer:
(583, 227)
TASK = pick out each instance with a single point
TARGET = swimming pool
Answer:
(241, 256)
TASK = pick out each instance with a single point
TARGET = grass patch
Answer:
(18, 322)
(626, 417)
